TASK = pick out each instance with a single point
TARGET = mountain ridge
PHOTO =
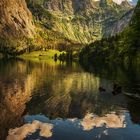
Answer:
(67, 23)
(83, 21)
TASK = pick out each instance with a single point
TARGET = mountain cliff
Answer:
(15, 23)
(124, 47)
(82, 20)
(21, 33)
(58, 24)
(15, 18)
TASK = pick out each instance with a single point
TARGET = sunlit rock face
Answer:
(30, 128)
(14, 94)
(15, 19)
(110, 121)
(117, 27)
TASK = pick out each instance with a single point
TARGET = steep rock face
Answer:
(123, 48)
(15, 19)
(117, 27)
(85, 20)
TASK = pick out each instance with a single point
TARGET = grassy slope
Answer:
(49, 54)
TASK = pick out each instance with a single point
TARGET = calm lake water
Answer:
(42, 100)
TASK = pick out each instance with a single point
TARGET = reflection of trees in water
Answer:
(126, 75)
(64, 93)
(57, 90)
(82, 88)
(73, 94)
(76, 94)
(134, 110)
(57, 106)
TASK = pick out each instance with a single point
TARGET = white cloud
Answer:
(118, 1)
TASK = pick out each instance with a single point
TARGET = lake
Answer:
(52, 100)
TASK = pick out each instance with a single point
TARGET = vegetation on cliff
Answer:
(58, 25)
(83, 21)
(23, 33)
(15, 26)
(123, 47)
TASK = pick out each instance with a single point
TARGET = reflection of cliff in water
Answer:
(134, 110)
(58, 90)
(68, 93)
(17, 81)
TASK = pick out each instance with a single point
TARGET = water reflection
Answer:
(74, 95)
(133, 107)
(45, 130)
(128, 76)
(15, 91)
(66, 91)
(110, 121)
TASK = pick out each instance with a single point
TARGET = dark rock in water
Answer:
(101, 89)
(117, 89)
